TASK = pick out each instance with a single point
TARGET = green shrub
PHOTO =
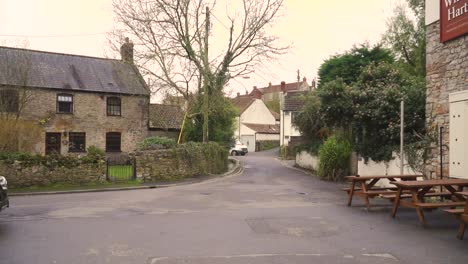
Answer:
(204, 158)
(94, 155)
(156, 143)
(334, 158)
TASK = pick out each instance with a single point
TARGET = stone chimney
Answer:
(126, 51)
(283, 86)
(238, 94)
(313, 83)
(304, 79)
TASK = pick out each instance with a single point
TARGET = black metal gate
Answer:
(121, 168)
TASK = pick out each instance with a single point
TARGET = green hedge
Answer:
(94, 155)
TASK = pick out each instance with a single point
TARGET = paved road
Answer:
(267, 214)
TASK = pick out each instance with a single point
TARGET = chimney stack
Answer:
(126, 51)
(283, 86)
(238, 94)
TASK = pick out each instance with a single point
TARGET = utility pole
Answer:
(402, 136)
(205, 78)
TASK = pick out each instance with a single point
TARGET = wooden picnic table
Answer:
(364, 186)
(463, 217)
(419, 189)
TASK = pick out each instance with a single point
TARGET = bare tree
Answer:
(15, 132)
(172, 39)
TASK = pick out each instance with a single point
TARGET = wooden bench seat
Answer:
(458, 211)
(408, 195)
(437, 205)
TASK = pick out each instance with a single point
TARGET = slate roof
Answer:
(276, 115)
(264, 129)
(165, 116)
(294, 101)
(19, 67)
(242, 102)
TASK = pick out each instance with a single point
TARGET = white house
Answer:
(255, 123)
(291, 103)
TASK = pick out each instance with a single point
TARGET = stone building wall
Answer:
(447, 72)
(89, 116)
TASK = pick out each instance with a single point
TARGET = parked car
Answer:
(4, 202)
(238, 149)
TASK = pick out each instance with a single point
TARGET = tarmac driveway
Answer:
(267, 214)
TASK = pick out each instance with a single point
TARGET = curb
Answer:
(305, 171)
(236, 170)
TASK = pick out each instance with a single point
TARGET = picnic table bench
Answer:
(419, 190)
(364, 186)
(462, 215)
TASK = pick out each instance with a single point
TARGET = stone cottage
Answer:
(447, 86)
(76, 101)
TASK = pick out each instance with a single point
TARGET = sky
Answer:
(314, 29)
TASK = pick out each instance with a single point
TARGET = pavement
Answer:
(269, 213)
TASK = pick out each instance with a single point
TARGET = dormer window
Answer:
(113, 106)
(65, 103)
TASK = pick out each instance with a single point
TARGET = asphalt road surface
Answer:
(267, 214)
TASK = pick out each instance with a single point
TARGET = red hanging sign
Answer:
(453, 19)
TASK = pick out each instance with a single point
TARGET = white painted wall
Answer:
(432, 11)
(307, 161)
(287, 130)
(383, 168)
(258, 113)
(267, 137)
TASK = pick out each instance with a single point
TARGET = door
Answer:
(458, 139)
(52, 143)
(249, 141)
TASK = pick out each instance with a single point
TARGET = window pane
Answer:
(64, 103)
(9, 101)
(113, 142)
(113, 106)
(77, 142)
(65, 98)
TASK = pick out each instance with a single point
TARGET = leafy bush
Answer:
(94, 155)
(205, 158)
(334, 158)
(156, 143)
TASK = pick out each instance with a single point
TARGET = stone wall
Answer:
(21, 175)
(447, 72)
(89, 116)
(173, 164)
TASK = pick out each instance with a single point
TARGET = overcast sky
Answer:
(316, 29)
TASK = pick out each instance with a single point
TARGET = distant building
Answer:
(165, 120)
(255, 124)
(274, 92)
(291, 103)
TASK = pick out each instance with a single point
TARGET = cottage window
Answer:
(77, 142)
(9, 101)
(113, 140)
(65, 103)
(113, 106)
